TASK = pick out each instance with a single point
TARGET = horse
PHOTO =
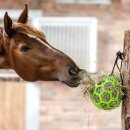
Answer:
(26, 50)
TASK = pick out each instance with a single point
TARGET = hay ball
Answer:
(107, 94)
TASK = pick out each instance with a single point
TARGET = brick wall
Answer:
(113, 20)
(19, 3)
(125, 1)
(62, 108)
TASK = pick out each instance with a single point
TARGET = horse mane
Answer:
(1, 39)
(28, 30)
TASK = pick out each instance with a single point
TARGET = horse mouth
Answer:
(75, 81)
(72, 84)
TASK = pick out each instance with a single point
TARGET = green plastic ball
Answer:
(107, 95)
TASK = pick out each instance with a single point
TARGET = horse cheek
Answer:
(24, 68)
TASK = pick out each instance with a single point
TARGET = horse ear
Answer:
(24, 15)
(8, 24)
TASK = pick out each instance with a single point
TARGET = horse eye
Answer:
(24, 48)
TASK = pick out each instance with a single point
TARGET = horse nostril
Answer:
(73, 71)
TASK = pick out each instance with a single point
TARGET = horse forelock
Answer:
(29, 30)
(33, 33)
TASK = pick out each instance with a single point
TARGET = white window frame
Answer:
(84, 1)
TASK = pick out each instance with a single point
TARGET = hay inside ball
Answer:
(105, 92)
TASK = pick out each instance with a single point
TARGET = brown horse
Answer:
(26, 50)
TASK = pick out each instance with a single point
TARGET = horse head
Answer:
(27, 51)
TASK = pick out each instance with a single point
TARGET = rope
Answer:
(119, 55)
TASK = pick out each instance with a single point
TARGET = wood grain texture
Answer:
(126, 77)
(12, 104)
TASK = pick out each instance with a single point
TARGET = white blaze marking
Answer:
(31, 36)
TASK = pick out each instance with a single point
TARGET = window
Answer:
(85, 1)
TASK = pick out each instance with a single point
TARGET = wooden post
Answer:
(126, 77)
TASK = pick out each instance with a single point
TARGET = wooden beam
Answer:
(126, 78)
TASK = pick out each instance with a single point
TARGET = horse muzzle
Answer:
(75, 80)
